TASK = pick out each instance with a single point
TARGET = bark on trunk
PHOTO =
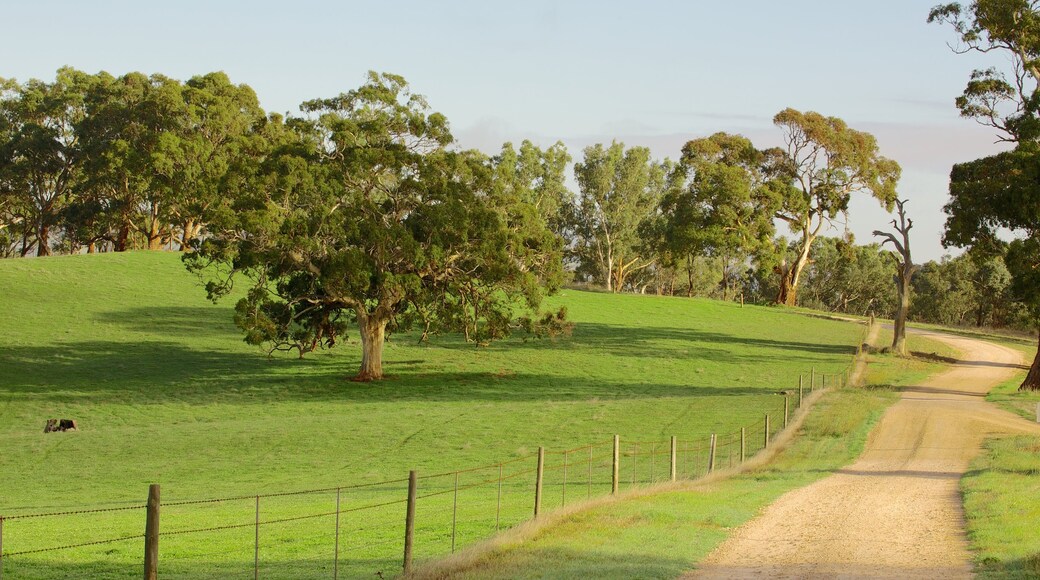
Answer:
(122, 238)
(1032, 382)
(788, 295)
(155, 238)
(43, 241)
(373, 334)
(191, 231)
(899, 334)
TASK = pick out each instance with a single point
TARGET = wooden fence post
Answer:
(671, 470)
(538, 481)
(256, 543)
(335, 557)
(711, 454)
(800, 381)
(617, 461)
(454, 511)
(742, 445)
(766, 444)
(151, 534)
(787, 405)
(409, 521)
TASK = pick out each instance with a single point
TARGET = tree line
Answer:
(363, 209)
(94, 162)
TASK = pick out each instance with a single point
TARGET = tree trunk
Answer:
(899, 335)
(43, 242)
(1032, 382)
(155, 238)
(788, 295)
(373, 333)
(191, 231)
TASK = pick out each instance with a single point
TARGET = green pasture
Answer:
(662, 535)
(165, 391)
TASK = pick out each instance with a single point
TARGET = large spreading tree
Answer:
(1001, 192)
(360, 211)
(827, 162)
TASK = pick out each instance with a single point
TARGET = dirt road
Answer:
(896, 512)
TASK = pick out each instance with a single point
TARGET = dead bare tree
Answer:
(904, 271)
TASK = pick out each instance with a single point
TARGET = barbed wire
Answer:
(73, 512)
(72, 546)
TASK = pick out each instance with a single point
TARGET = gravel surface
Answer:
(896, 512)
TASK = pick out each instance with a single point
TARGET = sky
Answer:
(653, 73)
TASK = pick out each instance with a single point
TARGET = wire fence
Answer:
(368, 529)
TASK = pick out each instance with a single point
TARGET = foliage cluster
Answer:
(999, 194)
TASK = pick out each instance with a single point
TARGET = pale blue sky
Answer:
(651, 73)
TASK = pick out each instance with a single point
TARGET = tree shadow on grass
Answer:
(175, 321)
(150, 371)
(668, 343)
(154, 372)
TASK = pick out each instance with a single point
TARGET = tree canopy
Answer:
(827, 162)
(619, 188)
(1000, 192)
(359, 211)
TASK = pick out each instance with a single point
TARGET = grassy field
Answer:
(1000, 495)
(165, 391)
(661, 535)
(1001, 488)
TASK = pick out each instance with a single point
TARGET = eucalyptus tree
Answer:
(536, 177)
(121, 136)
(844, 277)
(212, 132)
(618, 189)
(41, 155)
(1000, 192)
(360, 211)
(827, 163)
(719, 202)
(10, 220)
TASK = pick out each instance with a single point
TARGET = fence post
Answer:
(409, 521)
(787, 405)
(151, 534)
(653, 456)
(671, 468)
(742, 448)
(256, 543)
(563, 499)
(538, 481)
(335, 560)
(766, 444)
(589, 491)
(711, 455)
(454, 511)
(498, 506)
(617, 461)
(800, 391)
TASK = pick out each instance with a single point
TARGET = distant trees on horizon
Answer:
(92, 163)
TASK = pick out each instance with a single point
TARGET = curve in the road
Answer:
(896, 512)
